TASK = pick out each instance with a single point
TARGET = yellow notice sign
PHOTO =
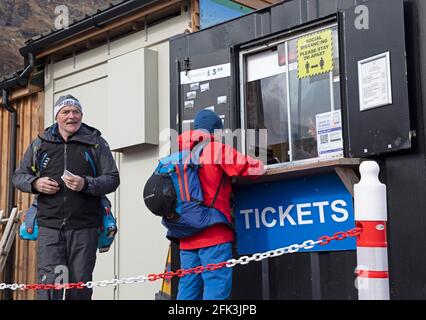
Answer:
(315, 54)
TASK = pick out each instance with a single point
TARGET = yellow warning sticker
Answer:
(315, 54)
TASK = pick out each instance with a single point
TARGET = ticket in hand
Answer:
(67, 174)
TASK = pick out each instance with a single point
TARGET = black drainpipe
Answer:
(8, 272)
(21, 80)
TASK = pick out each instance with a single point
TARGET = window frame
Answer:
(263, 45)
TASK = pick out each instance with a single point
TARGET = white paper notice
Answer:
(194, 86)
(329, 134)
(191, 95)
(204, 87)
(189, 104)
(374, 81)
(221, 99)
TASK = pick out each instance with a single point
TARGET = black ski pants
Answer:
(66, 256)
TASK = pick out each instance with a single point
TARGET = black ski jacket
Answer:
(85, 154)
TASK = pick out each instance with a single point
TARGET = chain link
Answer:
(13, 286)
(243, 260)
(340, 236)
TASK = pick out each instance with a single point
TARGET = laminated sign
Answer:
(278, 214)
(315, 54)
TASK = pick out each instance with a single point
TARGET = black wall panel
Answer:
(386, 128)
(331, 275)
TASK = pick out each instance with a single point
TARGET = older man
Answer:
(70, 171)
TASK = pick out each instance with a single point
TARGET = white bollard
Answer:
(371, 215)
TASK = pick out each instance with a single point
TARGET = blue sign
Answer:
(274, 215)
(216, 11)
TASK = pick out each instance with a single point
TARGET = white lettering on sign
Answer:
(247, 217)
(303, 213)
(266, 223)
(320, 206)
(286, 214)
(256, 215)
(343, 211)
(205, 74)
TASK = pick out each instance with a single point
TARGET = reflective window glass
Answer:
(298, 107)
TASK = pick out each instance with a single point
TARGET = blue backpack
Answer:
(174, 192)
(108, 229)
(29, 227)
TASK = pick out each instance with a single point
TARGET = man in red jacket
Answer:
(213, 244)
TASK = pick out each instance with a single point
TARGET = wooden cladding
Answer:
(195, 15)
(256, 4)
(30, 113)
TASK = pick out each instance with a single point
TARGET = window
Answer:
(291, 88)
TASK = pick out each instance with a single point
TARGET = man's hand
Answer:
(46, 185)
(75, 183)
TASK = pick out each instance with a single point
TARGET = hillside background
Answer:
(20, 20)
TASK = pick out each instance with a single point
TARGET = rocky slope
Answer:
(22, 19)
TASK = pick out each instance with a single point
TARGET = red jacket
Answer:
(217, 158)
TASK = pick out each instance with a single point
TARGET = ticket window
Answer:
(291, 88)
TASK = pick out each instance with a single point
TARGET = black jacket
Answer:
(85, 154)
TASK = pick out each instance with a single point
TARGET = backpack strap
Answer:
(36, 146)
(30, 217)
(94, 162)
(91, 161)
(195, 157)
(218, 188)
(196, 151)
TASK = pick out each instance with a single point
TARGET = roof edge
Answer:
(90, 22)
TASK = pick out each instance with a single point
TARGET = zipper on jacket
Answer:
(65, 156)
(65, 197)
(63, 223)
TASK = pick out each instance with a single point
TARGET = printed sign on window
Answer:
(329, 134)
(315, 54)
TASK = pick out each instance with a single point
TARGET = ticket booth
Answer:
(323, 85)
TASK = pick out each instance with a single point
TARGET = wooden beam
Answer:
(22, 92)
(348, 177)
(344, 162)
(117, 24)
(254, 4)
(290, 171)
(138, 25)
(195, 15)
(90, 44)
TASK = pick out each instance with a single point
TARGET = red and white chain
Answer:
(243, 260)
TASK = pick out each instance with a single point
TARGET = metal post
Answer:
(265, 280)
(315, 275)
(371, 216)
